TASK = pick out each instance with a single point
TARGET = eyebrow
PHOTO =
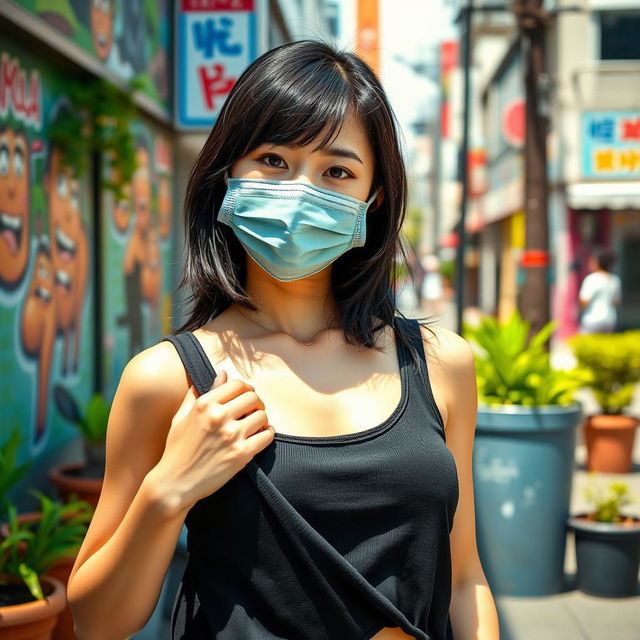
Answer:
(338, 152)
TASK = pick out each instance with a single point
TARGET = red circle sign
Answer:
(513, 122)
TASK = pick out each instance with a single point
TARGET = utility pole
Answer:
(534, 300)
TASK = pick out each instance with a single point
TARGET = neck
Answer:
(303, 308)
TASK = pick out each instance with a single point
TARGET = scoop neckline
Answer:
(370, 432)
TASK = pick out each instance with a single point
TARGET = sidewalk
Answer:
(571, 615)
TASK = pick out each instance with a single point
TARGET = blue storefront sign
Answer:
(611, 144)
(216, 40)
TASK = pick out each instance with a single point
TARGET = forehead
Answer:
(349, 134)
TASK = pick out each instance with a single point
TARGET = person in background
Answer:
(599, 294)
(432, 291)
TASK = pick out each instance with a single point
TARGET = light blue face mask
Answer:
(293, 229)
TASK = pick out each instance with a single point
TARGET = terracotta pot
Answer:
(609, 440)
(33, 620)
(61, 570)
(67, 479)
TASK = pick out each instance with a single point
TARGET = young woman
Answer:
(293, 422)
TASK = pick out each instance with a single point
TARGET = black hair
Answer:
(289, 95)
(605, 258)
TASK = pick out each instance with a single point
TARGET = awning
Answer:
(604, 195)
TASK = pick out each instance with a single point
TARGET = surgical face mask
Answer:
(293, 229)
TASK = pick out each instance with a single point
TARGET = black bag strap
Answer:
(194, 359)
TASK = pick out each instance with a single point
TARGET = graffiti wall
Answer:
(45, 257)
(137, 278)
(131, 37)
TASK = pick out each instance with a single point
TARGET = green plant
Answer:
(607, 502)
(100, 121)
(58, 533)
(510, 371)
(611, 364)
(10, 474)
(94, 423)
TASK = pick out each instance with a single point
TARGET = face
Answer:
(141, 189)
(14, 206)
(347, 166)
(102, 27)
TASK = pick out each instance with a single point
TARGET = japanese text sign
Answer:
(611, 144)
(216, 40)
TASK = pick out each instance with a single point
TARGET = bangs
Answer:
(297, 107)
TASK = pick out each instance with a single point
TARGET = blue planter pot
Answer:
(523, 464)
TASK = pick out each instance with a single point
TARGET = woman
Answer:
(599, 294)
(255, 425)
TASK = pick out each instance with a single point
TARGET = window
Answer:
(619, 35)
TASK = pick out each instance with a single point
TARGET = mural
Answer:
(47, 238)
(131, 37)
(45, 227)
(137, 280)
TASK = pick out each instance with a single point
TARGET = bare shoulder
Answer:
(451, 366)
(450, 348)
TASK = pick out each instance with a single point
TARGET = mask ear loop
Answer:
(373, 197)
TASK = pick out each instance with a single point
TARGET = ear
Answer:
(378, 201)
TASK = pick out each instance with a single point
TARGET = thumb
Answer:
(221, 378)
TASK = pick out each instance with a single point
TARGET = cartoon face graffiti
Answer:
(151, 273)
(69, 252)
(141, 190)
(122, 209)
(14, 207)
(38, 327)
(164, 206)
(102, 27)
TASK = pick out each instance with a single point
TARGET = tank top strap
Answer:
(194, 359)
(420, 379)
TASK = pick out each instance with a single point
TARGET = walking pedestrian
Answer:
(600, 294)
(296, 422)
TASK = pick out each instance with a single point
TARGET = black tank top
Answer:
(326, 538)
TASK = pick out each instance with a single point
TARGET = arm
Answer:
(132, 537)
(473, 611)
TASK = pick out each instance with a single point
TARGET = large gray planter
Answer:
(523, 465)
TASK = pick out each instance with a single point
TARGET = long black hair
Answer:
(289, 95)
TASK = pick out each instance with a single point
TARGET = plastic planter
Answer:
(523, 471)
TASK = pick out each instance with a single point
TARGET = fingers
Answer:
(187, 402)
(243, 404)
(259, 440)
(252, 423)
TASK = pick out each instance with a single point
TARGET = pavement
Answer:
(569, 615)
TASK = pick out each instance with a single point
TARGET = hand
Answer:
(212, 437)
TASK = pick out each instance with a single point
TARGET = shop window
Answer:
(619, 35)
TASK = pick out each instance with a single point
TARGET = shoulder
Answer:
(450, 348)
(156, 376)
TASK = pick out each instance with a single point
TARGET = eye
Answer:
(349, 174)
(18, 162)
(62, 186)
(270, 155)
(4, 160)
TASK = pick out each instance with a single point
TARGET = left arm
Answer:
(472, 611)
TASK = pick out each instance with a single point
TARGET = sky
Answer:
(412, 30)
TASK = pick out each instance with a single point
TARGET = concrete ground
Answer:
(570, 615)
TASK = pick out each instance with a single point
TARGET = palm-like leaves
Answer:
(511, 372)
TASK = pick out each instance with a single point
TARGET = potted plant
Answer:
(83, 478)
(612, 364)
(38, 547)
(607, 543)
(523, 457)
(32, 545)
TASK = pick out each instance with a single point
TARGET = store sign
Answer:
(611, 144)
(216, 40)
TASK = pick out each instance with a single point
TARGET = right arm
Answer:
(164, 451)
